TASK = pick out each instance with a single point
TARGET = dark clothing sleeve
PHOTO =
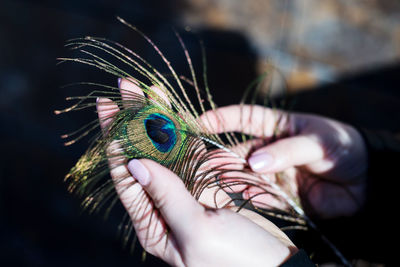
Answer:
(300, 259)
(383, 171)
(372, 234)
(380, 212)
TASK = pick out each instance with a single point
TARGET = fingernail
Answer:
(261, 162)
(119, 82)
(139, 172)
(97, 100)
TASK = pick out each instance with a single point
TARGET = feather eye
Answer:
(159, 121)
(154, 133)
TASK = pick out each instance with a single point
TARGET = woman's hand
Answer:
(330, 157)
(173, 226)
(197, 236)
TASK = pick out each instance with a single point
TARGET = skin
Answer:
(325, 160)
(182, 231)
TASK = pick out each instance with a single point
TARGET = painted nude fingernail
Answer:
(261, 162)
(139, 172)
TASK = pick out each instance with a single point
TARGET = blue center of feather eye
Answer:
(161, 131)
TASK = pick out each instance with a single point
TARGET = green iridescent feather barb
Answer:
(160, 122)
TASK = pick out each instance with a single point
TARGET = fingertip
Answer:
(106, 109)
(156, 172)
(102, 99)
(139, 171)
(157, 91)
(167, 192)
(261, 161)
(128, 87)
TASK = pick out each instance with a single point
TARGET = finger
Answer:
(230, 165)
(157, 94)
(178, 208)
(249, 119)
(285, 153)
(219, 167)
(106, 109)
(149, 227)
(129, 89)
(132, 195)
(237, 181)
(125, 184)
(209, 176)
(215, 198)
(267, 200)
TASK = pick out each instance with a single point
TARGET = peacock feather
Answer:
(164, 124)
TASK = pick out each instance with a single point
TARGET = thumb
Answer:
(168, 193)
(286, 153)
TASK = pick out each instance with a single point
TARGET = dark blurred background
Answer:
(335, 58)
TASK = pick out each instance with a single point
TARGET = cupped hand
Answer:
(326, 159)
(173, 226)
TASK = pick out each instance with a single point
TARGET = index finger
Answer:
(248, 119)
(148, 228)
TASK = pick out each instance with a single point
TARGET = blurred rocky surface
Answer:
(311, 41)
